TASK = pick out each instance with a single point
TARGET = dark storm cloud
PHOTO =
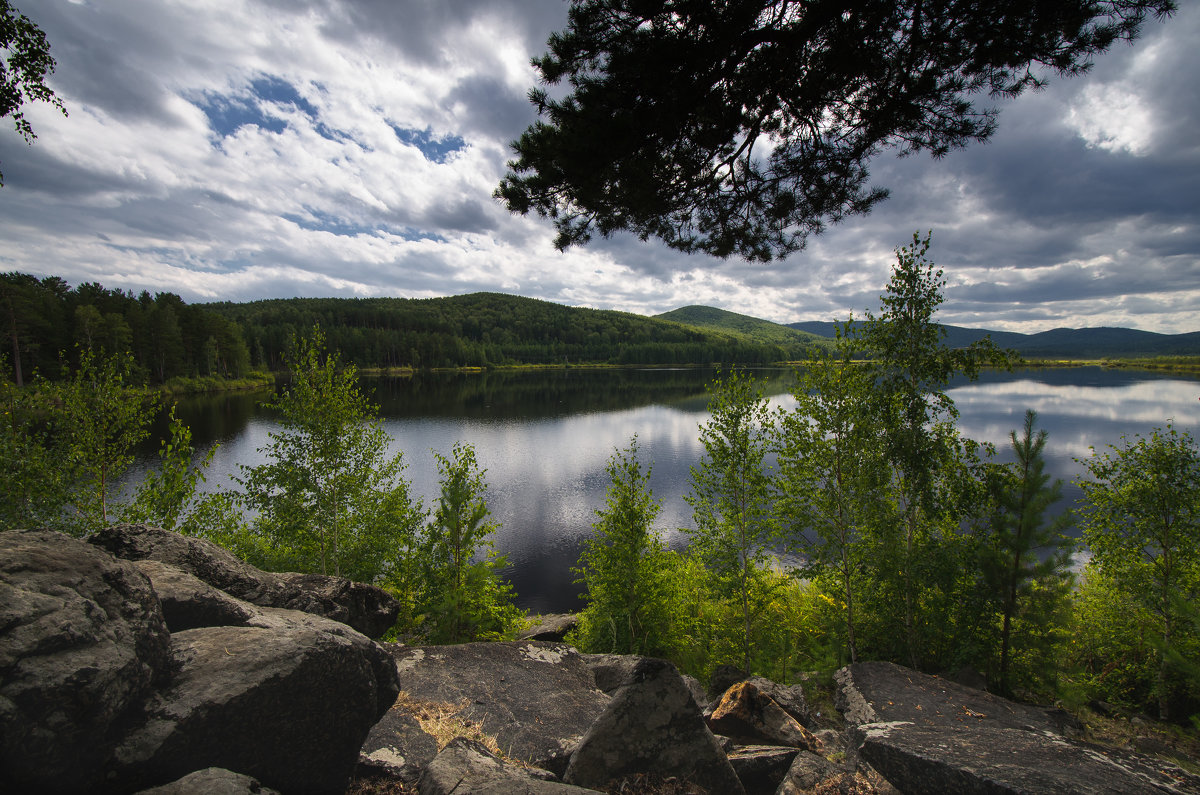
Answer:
(497, 110)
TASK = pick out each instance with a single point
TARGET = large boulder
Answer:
(550, 626)
(466, 766)
(927, 735)
(747, 714)
(613, 670)
(211, 781)
(288, 699)
(761, 768)
(652, 726)
(83, 643)
(536, 698)
(188, 602)
(368, 609)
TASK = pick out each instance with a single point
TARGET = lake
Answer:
(544, 438)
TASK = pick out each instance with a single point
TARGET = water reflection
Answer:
(545, 437)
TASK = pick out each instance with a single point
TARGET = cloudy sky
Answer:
(248, 149)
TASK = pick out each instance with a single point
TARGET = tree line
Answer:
(47, 322)
(50, 325)
(914, 543)
(490, 329)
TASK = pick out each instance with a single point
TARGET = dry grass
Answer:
(444, 721)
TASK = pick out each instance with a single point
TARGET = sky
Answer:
(248, 149)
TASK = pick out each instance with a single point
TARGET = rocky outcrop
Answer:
(927, 735)
(368, 609)
(211, 781)
(466, 766)
(652, 725)
(536, 698)
(97, 695)
(613, 670)
(288, 701)
(747, 714)
(83, 644)
(549, 627)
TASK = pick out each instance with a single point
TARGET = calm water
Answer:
(545, 437)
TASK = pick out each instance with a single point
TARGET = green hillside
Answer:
(487, 329)
(764, 331)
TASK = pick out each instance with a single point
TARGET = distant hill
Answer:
(483, 329)
(708, 317)
(1065, 343)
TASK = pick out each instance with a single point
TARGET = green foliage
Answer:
(328, 498)
(833, 475)
(1141, 520)
(169, 497)
(732, 497)
(680, 157)
(1024, 560)
(919, 554)
(623, 567)
(464, 596)
(100, 418)
(33, 479)
(27, 64)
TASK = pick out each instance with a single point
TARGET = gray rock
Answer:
(652, 726)
(613, 670)
(397, 747)
(287, 700)
(761, 768)
(925, 734)
(748, 714)
(466, 767)
(368, 609)
(536, 698)
(994, 759)
(211, 781)
(82, 646)
(189, 602)
(810, 772)
(878, 692)
(790, 697)
(550, 627)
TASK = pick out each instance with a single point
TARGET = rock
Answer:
(397, 747)
(211, 781)
(873, 692)
(467, 767)
(287, 700)
(724, 677)
(652, 726)
(189, 602)
(746, 713)
(550, 627)
(811, 773)
(537, 699)
(924, 734)
(991, 759)
(789, 697)
(761, 768)
(613, 670)
(82, 646)
(368, 609)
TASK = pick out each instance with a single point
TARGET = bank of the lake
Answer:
(545, 435)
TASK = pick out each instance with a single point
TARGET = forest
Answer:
(47, 322)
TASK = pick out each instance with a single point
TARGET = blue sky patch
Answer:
(436, 150)
(228, 112)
